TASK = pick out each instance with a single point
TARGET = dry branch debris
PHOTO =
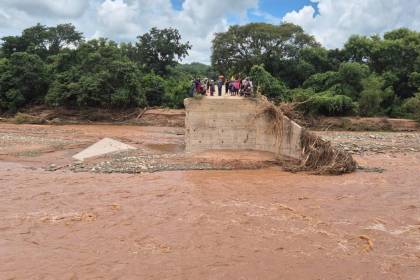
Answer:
(369, 243)
(321, 157)
(318, 155)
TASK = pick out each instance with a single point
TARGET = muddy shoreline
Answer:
(165, 117)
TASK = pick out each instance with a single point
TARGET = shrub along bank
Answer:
(369, 76)
(57, 67)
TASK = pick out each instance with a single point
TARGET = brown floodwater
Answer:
(253, 224)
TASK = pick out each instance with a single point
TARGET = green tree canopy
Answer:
(267, 84)
(396, 54)
(373, 96)
(160, 48)
(23, 80)
(376, 75)
(242, 47)
(97, 74)
(42, 40)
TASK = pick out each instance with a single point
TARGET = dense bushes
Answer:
(267, 84)
(352, 89)
(368, 76)
(321, 81)
(325, 103)
(153, 88)
(176, 91)
(375, 97)
(332, 105)
(23, 80)
(411, 107)
(97, 76)
(56, 67)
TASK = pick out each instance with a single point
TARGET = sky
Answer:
(330, 21)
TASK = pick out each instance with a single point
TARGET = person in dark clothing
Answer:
(219, 86)
(227, 87)
(197, 86)
(212, 88)
(192, 89)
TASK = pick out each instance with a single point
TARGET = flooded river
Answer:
(236, 224)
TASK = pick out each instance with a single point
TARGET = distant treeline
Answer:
(368, 76)
(56, 66)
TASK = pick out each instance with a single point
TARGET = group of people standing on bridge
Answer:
(233, 87)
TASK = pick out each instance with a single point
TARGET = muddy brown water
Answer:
(168, 148)
(254, 224)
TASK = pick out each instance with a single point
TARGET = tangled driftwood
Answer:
(321, 157)
(318, 155)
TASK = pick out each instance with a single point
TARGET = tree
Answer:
(56, 66)
(97, 74)
(317, 57)
(411, 107)
(399, 53)
(12, 44)
(335, 58)
(350, 75)
(130, 50)
(63, 36)
(242, 47)
(267, 84)
(23, 80)
(195, 69)
(373, 95)
(309, 60)
(153, 87)
(160, 48)
(42, 40)
(414, 80)
(175, 92)
(346, 81)
(359, 48)
(322, 81)
(331, 104)
(323, 103)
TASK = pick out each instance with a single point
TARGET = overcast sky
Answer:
(331, 21)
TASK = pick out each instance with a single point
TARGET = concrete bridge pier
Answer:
(237, 123)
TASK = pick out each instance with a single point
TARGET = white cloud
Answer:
(56, 8)
(117, 17)
(337, 20)
(198, 20)
(124, 20)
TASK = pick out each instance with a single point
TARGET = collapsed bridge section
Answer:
(236, 123)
